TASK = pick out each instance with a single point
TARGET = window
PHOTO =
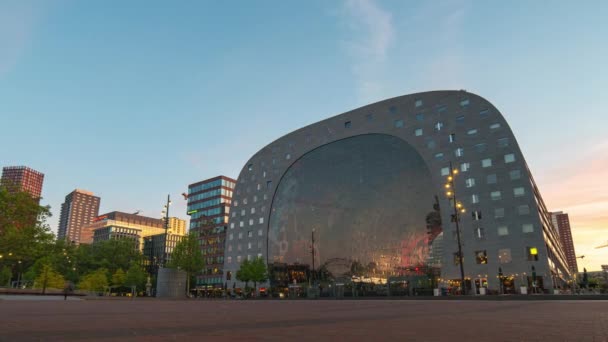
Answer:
(470, 182)
(445, 171)
(420, 117)
(476, 215)
(251, 222)
(452, 138)
(438, 126)
(288, 156)
(480, 147)
(229, 260)
(418, 103)
(229, 248)
(480, 233)
(441, 109)
(457, 259)
(509, 158)
(503, 142)
(460, 119)
(253, 210)
(499, 212)
(261, 220)
(495, 126)
(486, 162)
(250, 167)
(491, 179)
(484, 113)
(241, 224)
(518, 192)
(495, 195)
(392, 109)
(250, 233)
(472, 131)
(231, 236)
(347, 124)
(459, 152)
(232, 225)
(474, 198)
(503, 231)
(481, 257)
(464, 167)
(532, 253)
(240, 235)
(515, 174)
(398, 123)
(464, 103)
(430, 144)
(439, 155)
(504, 255)
(527, 228)
(418, 132)
(523, 209)
(238, 258)
(260, 232)
(268, 184)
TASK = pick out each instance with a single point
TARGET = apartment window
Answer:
(486, 162)
(261, 220)
(480, 147)
(459, 152)
(509, 158)
(420, 117)
(499, 212)
(430, 144)
(495, 195)
(503, 142)
(481, 257)
(250, 167)
(250, 233)
(232, 225)
(491, 179)
(515, 174)
(457, 259)
(231, 236)
(347, 124)
(474, 198)
(229, 248)
(268, 184)
(470, 182)
(392, 109)
(418, 103)
(484, 113)
(452, 138)
(532, 253)
(251, 222)
(398, 123)
(523, 209)
(418, 132)
(504, 256)
(439, 155)
(240, 235)
(238, 258)
(480, 233)
(288, 156)
(503, 231)
(464, 103)
(229, 260)
(259, 186)
(527, 228)
(441, 109)
(253, 210)
(255, 197)
(464, 167)
(445, 171)
(472, 131)
(476, 215)
(460, 119)
(260, 232)
(241, 224)
(495, 126)
(438, 126)
(236, 203)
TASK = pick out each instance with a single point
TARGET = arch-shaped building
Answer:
(367, 187)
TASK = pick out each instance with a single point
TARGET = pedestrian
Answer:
(67, 289)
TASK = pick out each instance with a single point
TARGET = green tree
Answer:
(118, 278)
(187, 256)
(258, 272)
(136, 276)
(5, 276)
(49, 278)
(244, 272)
(96, 281)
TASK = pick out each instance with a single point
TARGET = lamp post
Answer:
(166, 213)
(312, 252)
(458, 208)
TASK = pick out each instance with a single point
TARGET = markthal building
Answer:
(362, 204)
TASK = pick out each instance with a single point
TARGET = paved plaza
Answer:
(302, 320)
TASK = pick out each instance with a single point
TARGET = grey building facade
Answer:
(360, 198)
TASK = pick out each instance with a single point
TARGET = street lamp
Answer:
(458, 209)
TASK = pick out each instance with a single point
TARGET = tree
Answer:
(49, 278)
(244, 272)
(136, 276)
(96, 281)
(258, 272)
(5, 276)
(118, 278)
(187, 256)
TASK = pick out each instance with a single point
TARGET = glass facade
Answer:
(369, 201)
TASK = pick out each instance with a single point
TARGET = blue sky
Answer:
(136, 99)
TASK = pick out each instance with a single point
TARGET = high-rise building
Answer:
(561, 222)
(209, 207)
(23, 178)
(78, 210)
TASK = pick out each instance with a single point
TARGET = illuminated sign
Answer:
(192, 212)
(533, 251)
(100, 218)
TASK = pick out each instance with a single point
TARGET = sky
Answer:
(134, 100)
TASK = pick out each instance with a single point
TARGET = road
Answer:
(302, 320)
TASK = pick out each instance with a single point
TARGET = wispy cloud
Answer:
(373, 34)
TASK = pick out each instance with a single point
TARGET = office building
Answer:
(561, 222)
(209, 207)
(349, 202)
(23, 178)
(78, 211)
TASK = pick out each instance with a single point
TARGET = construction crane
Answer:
(602, 246)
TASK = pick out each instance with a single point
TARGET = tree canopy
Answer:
(187, 256)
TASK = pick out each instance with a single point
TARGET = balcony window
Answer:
(486, 162)
(481, 257)
(504, 256)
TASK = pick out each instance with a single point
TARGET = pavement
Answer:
(302, 320)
